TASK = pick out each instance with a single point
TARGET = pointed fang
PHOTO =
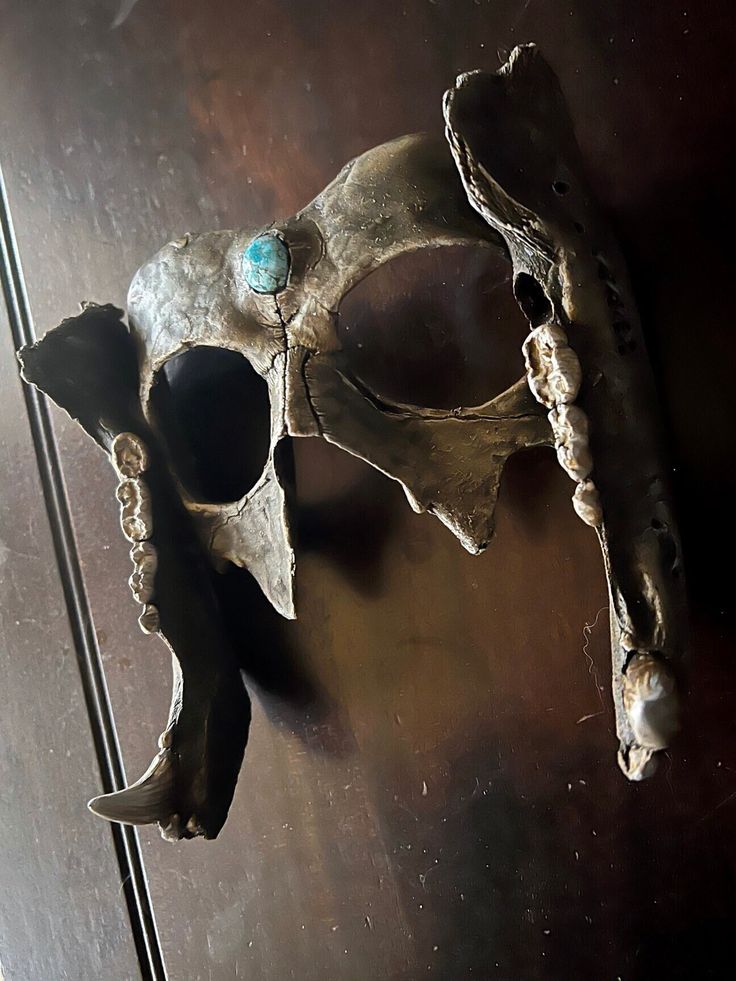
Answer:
(147, 801)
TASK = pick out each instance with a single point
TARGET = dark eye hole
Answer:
(437, 327)
(213, 411)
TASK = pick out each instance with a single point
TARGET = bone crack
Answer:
(136, 514)
(129, 455)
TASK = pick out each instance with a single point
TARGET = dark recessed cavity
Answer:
(622, 331)
(627, 348)
(213, 411)
(437, 328)
(560, 187)
(579, 228)
(668, 550)
(532, 299)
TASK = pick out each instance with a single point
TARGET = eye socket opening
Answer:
(437, 328)
(213, 412)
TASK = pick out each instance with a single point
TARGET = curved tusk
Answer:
(147, 801)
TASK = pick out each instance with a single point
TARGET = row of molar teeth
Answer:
(649, 691)
(554, 376)
(151, 798)
(142, 582)
(130, 459)
(570, 426)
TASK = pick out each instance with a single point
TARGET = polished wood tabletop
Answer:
(430, 787)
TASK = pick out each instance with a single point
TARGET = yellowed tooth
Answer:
(166, 739)
(587, 503)
(148, 621)
(638, 763)
(570, 427)
(193, 826)
(129, 455)
(553, 369)
(136, 516)
(145, 563)
(650, 700)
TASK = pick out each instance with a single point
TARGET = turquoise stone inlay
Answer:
(266, 264)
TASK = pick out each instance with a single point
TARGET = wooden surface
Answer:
(430, 789)
(62, 911)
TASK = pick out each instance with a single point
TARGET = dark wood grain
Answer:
(430, 787)
(62, 910)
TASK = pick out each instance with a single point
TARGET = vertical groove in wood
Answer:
(127, 849)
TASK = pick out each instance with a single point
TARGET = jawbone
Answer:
(586, 362)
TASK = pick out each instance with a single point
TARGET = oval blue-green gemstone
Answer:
(266, 264)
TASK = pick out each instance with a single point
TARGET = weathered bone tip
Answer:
(464, 78)
(651, 701)
(638, 762)
(416, 505)
(147, 801)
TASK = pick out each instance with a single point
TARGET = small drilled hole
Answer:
(560, 187)
(656, 524)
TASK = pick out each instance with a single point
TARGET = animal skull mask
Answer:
(511, 181)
